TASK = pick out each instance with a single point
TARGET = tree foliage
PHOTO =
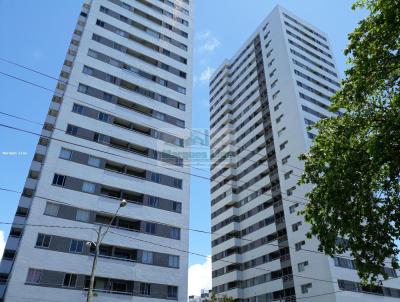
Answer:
(215, 298)
(354, 163)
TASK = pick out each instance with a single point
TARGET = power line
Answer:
(164, 246)
(200, 231)
(111, 112)
(73, 85)
(188, 229)
(157, 244)
(46, 226)
(125, 157)
(226, 261)
(222, 175)
(64, 95)
(148, 163)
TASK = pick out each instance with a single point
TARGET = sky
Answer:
(36, 33)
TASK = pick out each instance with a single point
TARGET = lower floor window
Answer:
(69, 280)
(34, 276)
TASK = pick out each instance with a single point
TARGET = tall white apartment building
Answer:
(261, 102)
(113, 129)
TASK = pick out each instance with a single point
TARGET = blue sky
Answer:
(37, 33)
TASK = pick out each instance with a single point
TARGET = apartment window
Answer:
(82, 215)
(279, 118)
(173, 261)
(292, 208)
(295, 226)
(83, 88)
(86, 69)
(151, 228)
(178, 183)
(275, 95)
(299, 245)
(34, 276)
(308, 122)
(69, 280)
(94, 161)
(311, 135)
(147, 257)
(287, 174)
(155, 177)
(76, 246)
(65, 154)
(104, 117)
(281, 131)
(301, 266)
(154, 201)
(51, 209)
(88, 187)
(101, 138)
(283, 145)
(305, 288)
(342, 262)
(289, 192)
(285, 159)
(172, 292)
(271, 62)
(177, 207)
(276, 107)
(175, 233)
(274, 83)
(59, 180)
(77, 108)
(43, 241)
(72, 130)
(145, 289)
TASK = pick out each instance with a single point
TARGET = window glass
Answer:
(145, 289)
(147, 257)
(43, 240)
(59, 180)
(82, 215)
(51, 209)
(94, 161)
(76, 246)
(173, 261)
(175, 233)
(65, 153)
(88, 187)
(172, 292)
(69, 280)
(151, 228)
(34, 276)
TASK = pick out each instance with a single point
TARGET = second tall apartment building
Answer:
(261, 104)
(119, 114)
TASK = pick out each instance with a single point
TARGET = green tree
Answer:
(354, 163)
(215, 298)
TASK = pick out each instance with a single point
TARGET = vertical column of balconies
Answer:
(28, 193)
(274, 176)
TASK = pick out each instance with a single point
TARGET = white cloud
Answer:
(208, 42)
(206, 74)
(2, 243)
(199, 277)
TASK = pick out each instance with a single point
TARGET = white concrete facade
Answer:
(152, 31)
(261, 101)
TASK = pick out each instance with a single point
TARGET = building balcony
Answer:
(12, 243)
(5, 266)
